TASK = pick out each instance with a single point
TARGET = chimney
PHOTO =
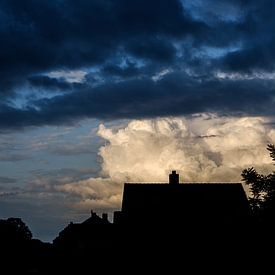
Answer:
(105, 217)
(173, 178)
(93, 214)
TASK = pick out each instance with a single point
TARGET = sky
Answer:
(94, 93)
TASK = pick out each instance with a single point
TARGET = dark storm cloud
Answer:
(159, 50)
(128, 44)
(253, 58)
(258, 40)
(174, 94)
(49, 83)
(114, 70)
(40, 36)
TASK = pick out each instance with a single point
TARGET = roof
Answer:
(92, 229)
(94, 220)
(156, 201)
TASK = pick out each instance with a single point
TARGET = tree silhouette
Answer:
(262, 187)
(14, 230)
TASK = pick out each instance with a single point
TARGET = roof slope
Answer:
(198, 201)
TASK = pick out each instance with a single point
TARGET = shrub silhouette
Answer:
(262, 187)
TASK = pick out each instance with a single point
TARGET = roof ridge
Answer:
(181, 183)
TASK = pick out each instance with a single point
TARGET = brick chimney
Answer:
(173, 178)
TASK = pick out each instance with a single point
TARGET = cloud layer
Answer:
(62, 61)
(204, 148)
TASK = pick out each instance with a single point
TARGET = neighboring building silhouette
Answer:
(184, 204)
(77, 235)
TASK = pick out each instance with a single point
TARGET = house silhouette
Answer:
(159, 219)
(78, 235)
(184, 204)
(171, 206)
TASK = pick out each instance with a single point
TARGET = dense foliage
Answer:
(262, 187)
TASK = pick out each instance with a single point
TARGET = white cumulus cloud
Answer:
(203, 148)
